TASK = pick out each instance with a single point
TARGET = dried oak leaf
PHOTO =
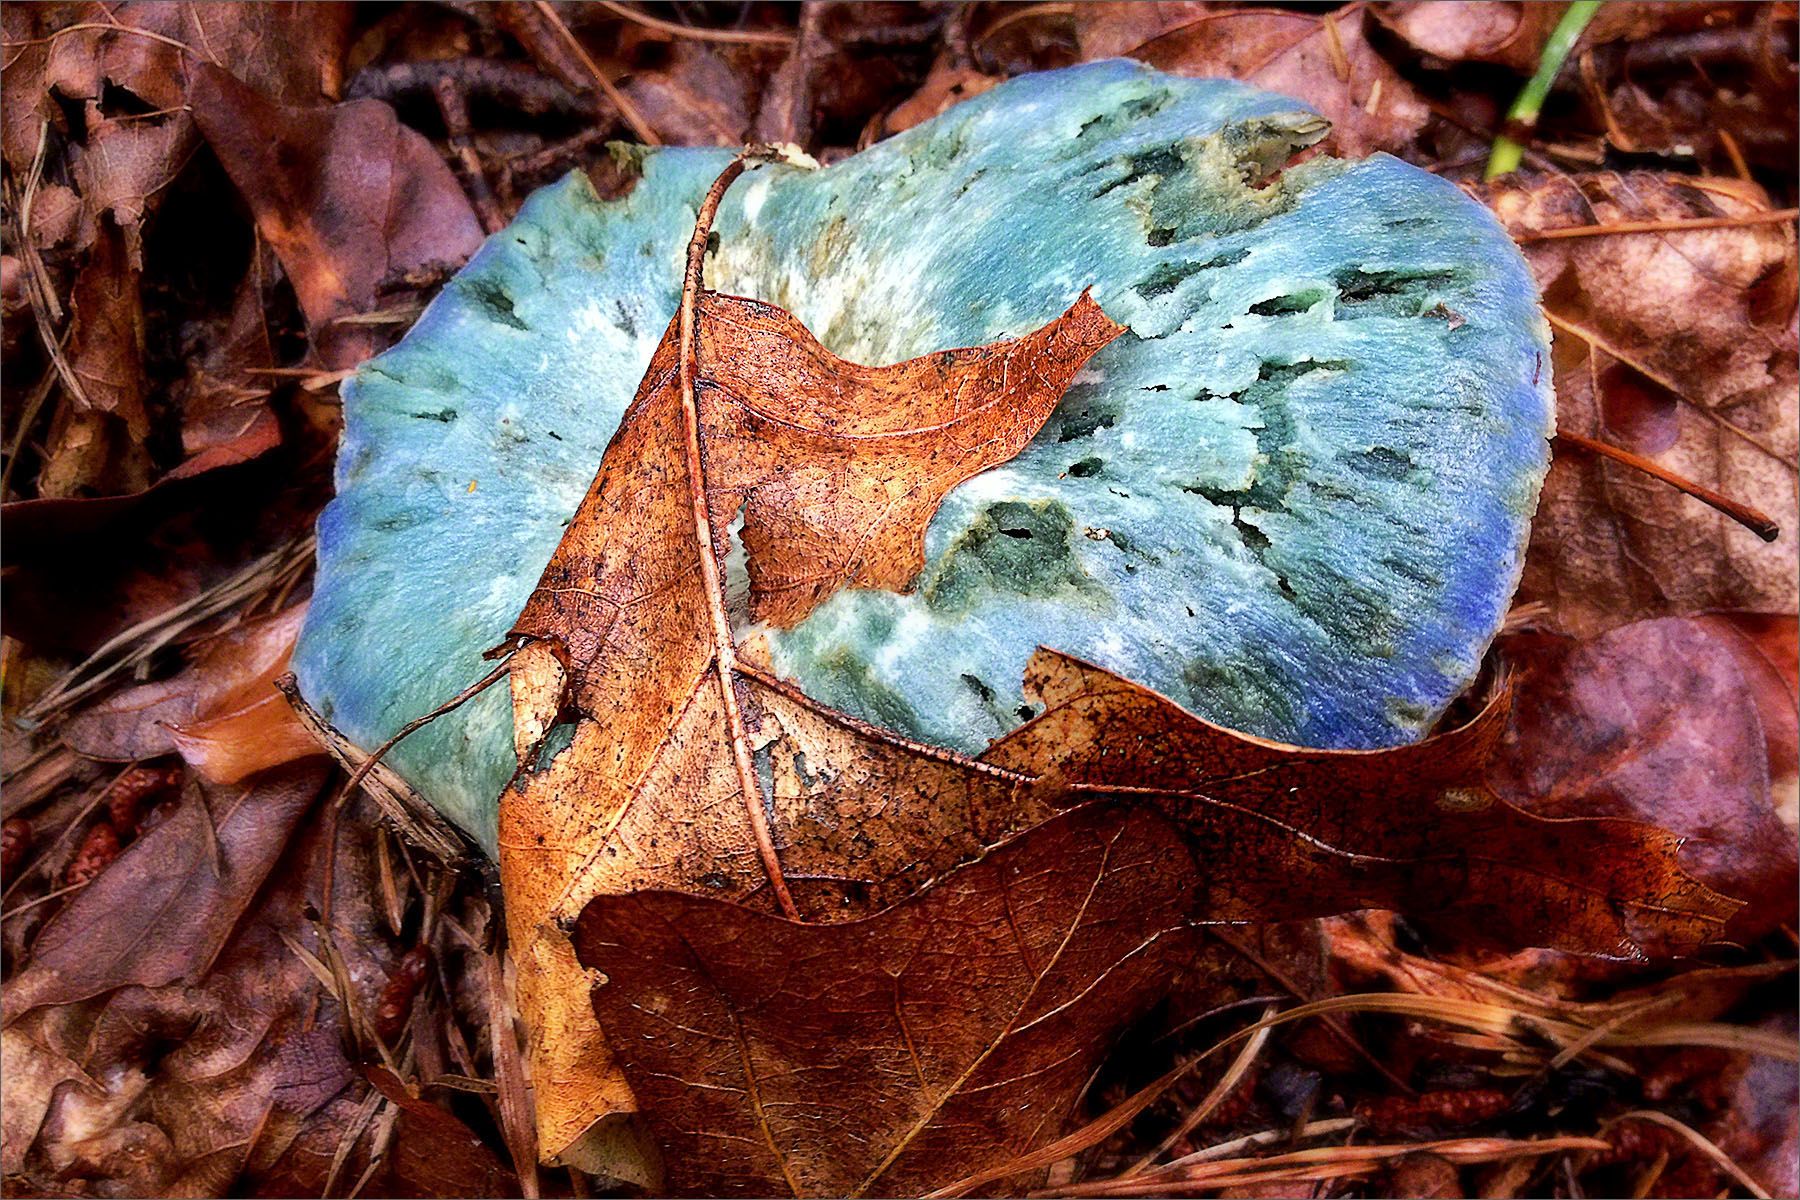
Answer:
(1679, 346)
(892, 1054)
(222, 714)
(1314, 832)
(837, 468)
(1325, 60)
(348, 197)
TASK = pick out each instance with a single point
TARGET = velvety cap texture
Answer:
(1294, 497)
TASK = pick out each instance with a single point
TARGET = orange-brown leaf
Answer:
(1296, 832)
(837, 469)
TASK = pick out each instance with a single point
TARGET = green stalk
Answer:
(1506, 153)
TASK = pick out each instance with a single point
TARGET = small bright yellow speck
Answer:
(472, 487)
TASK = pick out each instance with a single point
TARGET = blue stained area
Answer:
(1294, 498)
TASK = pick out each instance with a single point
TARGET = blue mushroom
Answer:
(1294, 497)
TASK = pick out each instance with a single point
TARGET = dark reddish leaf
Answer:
(348, 198)
(1656, 721)
(434, 1154)
(1315, 832)
(892, 1054)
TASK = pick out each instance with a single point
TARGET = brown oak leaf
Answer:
(1297, 832)
(771, 820)
(836, 468)
(1679, 346)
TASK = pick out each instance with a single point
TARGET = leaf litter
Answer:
(122, 166)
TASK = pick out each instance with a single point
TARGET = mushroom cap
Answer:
(1294, 497)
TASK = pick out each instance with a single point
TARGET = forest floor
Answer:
(219, 981)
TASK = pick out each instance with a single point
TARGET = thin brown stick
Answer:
(1700, 1142)
(1757, 522)
(417, 723)
(724, 647)
(742, 37)
(627, 110)
(453, 106)
(1596, 341)
(1683, 225)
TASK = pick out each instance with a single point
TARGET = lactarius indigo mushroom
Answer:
(1294, 497)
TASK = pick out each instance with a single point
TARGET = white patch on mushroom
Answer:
(754, 196)
(906, 634)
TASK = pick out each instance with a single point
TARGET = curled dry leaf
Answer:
(1324, 60)
(349, 199)
(223, 714)
(837, 468)
(1679, 346)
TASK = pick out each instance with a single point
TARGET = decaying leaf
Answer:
(250, 1071)
(1656, 721)
(1324, 60)
(1679, 346)
(884, 1055)
(348, 198)
(836, 468)
(162, 912)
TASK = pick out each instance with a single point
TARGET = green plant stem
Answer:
(1506, 153)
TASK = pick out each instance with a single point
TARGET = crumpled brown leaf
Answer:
(1325, 60)
(1679, 346)
(150, 49)
(1657, 721)
(349, 199)
(837, 469)
(223, 714)
(250, 1069)
(886, 1055)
